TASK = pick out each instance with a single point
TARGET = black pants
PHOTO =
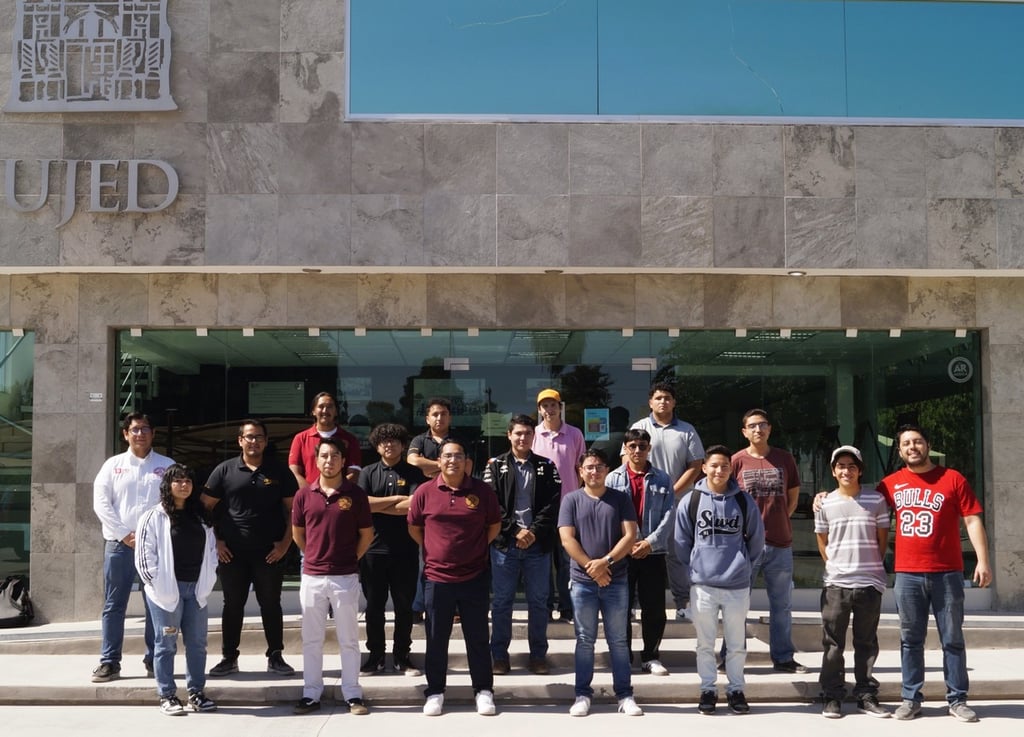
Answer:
(837, 604)
(471, 599)
(647, 585)
(251, 568)
(380, 574)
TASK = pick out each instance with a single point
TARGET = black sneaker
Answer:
(402, 664)
(790, 666)
(374, 663)
(708, 699)
(172, 707)
(738, 702)
(276, 664)
(225, 667)
(197, 701)
(832, 709)
(305, 706)
(869, 705)
(106, 672)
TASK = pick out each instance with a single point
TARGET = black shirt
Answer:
(188, 541)
(250, 514)
(391, 531)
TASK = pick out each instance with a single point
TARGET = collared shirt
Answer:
(673, 446)
(332, 524)
(251, 513)
(303, 451)
(391, 533)
(425, 445)
(125, 487)
(565, 447)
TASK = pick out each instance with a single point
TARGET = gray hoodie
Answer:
(715, 547)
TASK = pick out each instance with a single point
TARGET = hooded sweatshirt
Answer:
(714, 547)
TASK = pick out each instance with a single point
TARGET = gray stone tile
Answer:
(97, 239)
(53, 581)
(1007, 382)
(52, 499)
(941, 303)
(251, 300)
(48, 304)
(241, 229)
(677, 232)
(530, 300)
(30, 239)
(183, 145)
(1009, 158)
(92, 448)
(110, 299)
(890, 161)
(312, 88)
(55, 392)
(604, 159)
(245, 25)
(31, 141)
(392, 300)
(820, 161)
(678, 159)
(821, 232)
(190, 27)
(748, 160)
(891, 233)
(5, 300)
(459, 158)
(669, 300)
(999, 304)
(736, 301)
(93, 365)
(183, 300)
(961, 234)
(601, 301)
(960, 162)
(173, 237)
(464, 299)
(604, 230)
(306, 295)
(316, 158)
(807, 301)
(749, 232)
(873, 302)
(1010, 234)
(387, 229)
(313, 25)
(387, 158)
(459, 230)
(90, 143)
(256, 101)
(190, 74)
(533, 230)
(314, 230)
(532, 158)
(243, 158)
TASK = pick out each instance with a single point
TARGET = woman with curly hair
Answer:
(176, 555)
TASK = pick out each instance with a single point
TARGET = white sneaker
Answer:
(581, 708)
(654, 667)
(628, 707)
(433, 705)
(485, 703)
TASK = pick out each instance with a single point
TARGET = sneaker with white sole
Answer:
(485, 703)
(172, 707)
(197, 701)
(629, 707)
(960, 710)
(654, 667)
(908, 710)
(581, 707)
(434, 705)
(869, 705)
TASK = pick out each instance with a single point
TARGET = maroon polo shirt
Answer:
(454, 523)
(332, 525)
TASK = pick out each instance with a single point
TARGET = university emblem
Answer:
(345, 503)
(472, 501)
(90, 56)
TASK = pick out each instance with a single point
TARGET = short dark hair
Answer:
(662, 386)
(389, 431)
(522, 420)
(717, 450)
(636, 433)
(321, 395)
(452, 441)
(756, 411)
(131, 417)
(256, 423)
(912, 427)
(594, 453)
(440, 401)
(335, 442)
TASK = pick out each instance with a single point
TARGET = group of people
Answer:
(418, 527)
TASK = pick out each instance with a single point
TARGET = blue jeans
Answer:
(705, 604)
(777, 566)
(943, 593)
(119, 576)
(191, 620)
(613, 603)
(506, 567)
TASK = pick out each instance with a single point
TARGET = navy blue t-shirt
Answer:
(598, 524)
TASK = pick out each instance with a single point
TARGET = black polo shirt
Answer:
(429, 448)
(391, 531)
(250, 514)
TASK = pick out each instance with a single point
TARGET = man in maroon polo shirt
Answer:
(302, 455)
(454, 517)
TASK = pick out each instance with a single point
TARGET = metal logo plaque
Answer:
(91, 56)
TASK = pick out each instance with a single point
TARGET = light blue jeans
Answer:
(943, 594)
(506, 567)
(705, 604)
(612, 601)
(118, 578)
(191, 620)
(777, 566)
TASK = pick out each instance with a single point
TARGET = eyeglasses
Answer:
(254, 438)
(595, 469)
(758, 426)
(453, 456)
(141, 430)
(639, 447)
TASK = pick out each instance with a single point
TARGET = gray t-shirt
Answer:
(673, 447)
(598, 524)
(852, 524)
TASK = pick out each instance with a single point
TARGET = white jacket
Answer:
(154, 559)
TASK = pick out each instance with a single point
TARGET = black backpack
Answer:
(16, 608)
(695, 502)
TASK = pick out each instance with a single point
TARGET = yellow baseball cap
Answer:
(549, 394)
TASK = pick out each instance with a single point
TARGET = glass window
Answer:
(16, 353)
(821, 389)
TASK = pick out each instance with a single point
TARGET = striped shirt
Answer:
(852, 524)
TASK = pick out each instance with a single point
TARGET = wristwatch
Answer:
(610, 559)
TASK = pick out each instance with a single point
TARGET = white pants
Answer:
(705, 604)
(316, 595)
